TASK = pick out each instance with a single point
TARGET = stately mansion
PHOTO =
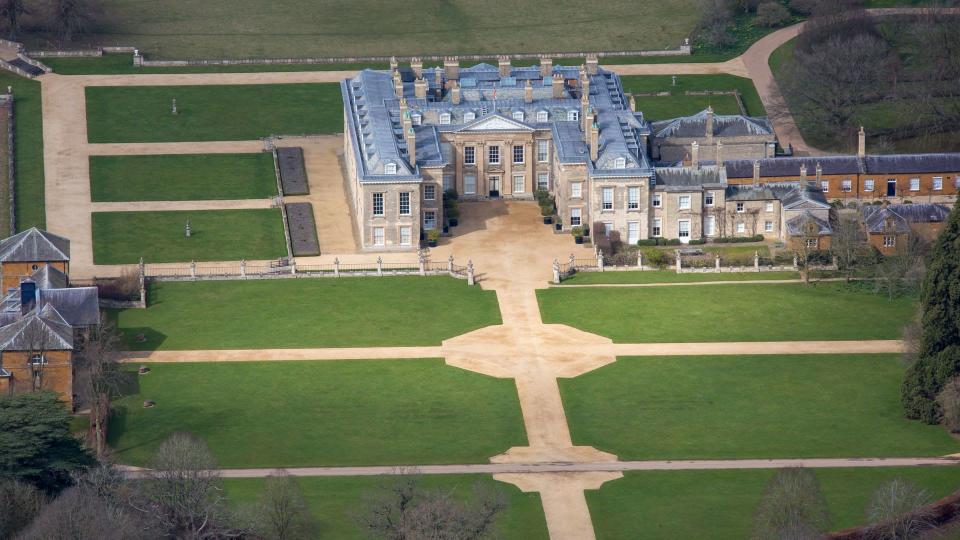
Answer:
(503, 132)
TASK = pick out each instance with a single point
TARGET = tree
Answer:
(282, 512)
(898, 511)
(36, 445)
(805, 243)
(949, 401)
(70, 17)
(716, 23)
(36, 336)
(12, 11)
(792, 508)
(80, 513)
(847, 243)
(403, 510)
(939, 355)
(772, 14)
(183, 492)
(19, 504)
(97, 377)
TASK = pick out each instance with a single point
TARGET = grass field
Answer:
(28, 151)
(216, 235)
(733, 407)
(211, 113)
(663, 505)
(295, 414)
(336, 501)
(299, 28)
(669, 276)
(190, 177)
(748, 312)
(347, 312)
(678, 104)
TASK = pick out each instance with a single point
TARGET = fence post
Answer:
(676, 255)
(639, 260)
(379, 266)
(423, 270)
(716, 262)
(293, 267)
(600, 259)
(193, 270)
(336, 267)
(556, 271)
(143, 285)
(243, 268)
(450, 265)
(470, 276)
(573, 261)
(756, 261)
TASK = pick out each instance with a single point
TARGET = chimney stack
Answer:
(28, 296)
(587, 120)
(558, 86)
(417, 66)
(861, 143)
(819, 171)
(719, 154)
(633, 103)
(455, 93)
(709, 125)
(528, 92)
(546, 67)
(403, 109)
(695, 154)
(451, 68)
(393, 63)
(594, 140)
(420, 88)
(803, 173)
(592, 63)
(411, 138)
(584, 82)
(397, 84)
(503, 63)
(584, 108)
(438, 79)
(756, 172)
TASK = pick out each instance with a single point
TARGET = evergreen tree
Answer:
(938, 360)
(36, 445)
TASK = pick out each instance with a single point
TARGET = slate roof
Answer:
(43, 329)
(898, 217)
(795, 224)
(34, 245)
(79, 306)
(789, 194)
(689, 178)
(913, 163)
(736, 125)
(790, 166)
(48, 277)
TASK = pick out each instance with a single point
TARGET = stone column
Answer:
(450, 265)
(676, 253)
(193, 269)
(481, 158)
(530, 158)
(379, 266)
(470, 276)
(458, 166)
(336, 267)
(756, 261)
(506, 183)
(640, 260)
(716, 262)
(243, 269)
(556, 271)
(600, 259)
(423, 269)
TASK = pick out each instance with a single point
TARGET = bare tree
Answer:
(903, 270)
(80, 513)
(183, 492)
(716, 23)
(898, 511)
(949, 401)
(772, 14)
(805, 244)
(19, 504)
(98, 377)
(36, 337)
(792, 508)
(282, 512)
(847, 243)
(70, 17)
(12, 11)
(403, 511)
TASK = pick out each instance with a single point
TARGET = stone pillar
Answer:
(423, 268)
(836, 263)
(458, 166)
(393, 63)
(417, 66)
(709, 125)
(639, 260)
(450, 265)
(803, 174)
(592, 63)
(633, 103)
(557, 86)
(293, 267)
(556, 271)
(676, 254)
(756, 172)
(529, 178)
(506, 158)
(420, 88)
(455, 93)
(193, 270)
(451, 68)
(379, 266)
(716, 262)
(600, 259)
(546, 67)
(243, 269)
(861, 143)
(795, 266)
(471, 279)
(719, 153)
(528, 92)
(756, 261)
(573, 261)
(336, 267)
(503, 62)
(695, 155)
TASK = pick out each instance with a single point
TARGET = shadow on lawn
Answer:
(141, 338)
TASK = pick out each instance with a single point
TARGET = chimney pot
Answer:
(594, 140)
(420, 88)
(417, 66)
(451, 68)
(719, 154)
(528, 92)
(411, 138)
(592, 63)
(558, 86)
(455, 93)
(504, 65)
(695, 154)
(546, 67)
(861, 143)
(756, 172)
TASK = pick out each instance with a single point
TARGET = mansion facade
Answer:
(504, 132)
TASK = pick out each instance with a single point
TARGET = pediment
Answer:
(495, 122)
(807, 205)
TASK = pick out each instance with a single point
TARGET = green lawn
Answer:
(122, 64)
(678, 104)
(302, 28)
(748, 312)
(345, 312)
(336, 501)
(216, 235)
(669, 276)
(211, 113)
(181, 177)
(303, 413)
(734, 407)
(28, 150)
(720, 504)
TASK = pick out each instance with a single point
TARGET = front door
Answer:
(892, 187)
(683, 230)
(494, 186)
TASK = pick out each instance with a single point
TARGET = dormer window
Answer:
(542, 116)
(518, 115)
(390, 168)
(620, 163)
(444, 118)
(469, 116)
(573, 116)
(416, 119)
